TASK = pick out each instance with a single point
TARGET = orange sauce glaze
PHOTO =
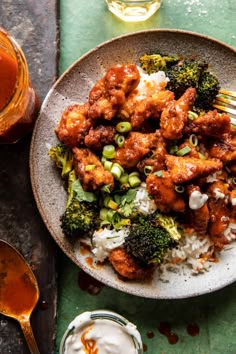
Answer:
(17, 291)
(8, 77)
(89, 344)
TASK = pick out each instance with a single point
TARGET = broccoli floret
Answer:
(63, 158)
(169, 224)
(184, 75)
(151, 63)
(79, 218)
(148, 243)
(208, 88)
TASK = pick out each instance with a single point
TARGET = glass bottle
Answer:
(19, 104)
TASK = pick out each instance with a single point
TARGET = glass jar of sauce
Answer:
(102, 332)
(19, 104)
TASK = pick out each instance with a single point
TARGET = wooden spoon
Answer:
(19, 291)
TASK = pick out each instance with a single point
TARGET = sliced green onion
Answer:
(179, 189)
(193, 140)
(117, 170)
(134, 180)
(184, 151)
(110, 215)
(123, 127)
(124, 178)
(108, 165)
(89, 167)
(234, 180)
(103, 213)
(173, 149)
(192, 115)
(108, 151)
(158, 173)
(110, 203)
(120, 140)
(106, 188)
(135, 173)
(201, 156)
(147, 170)
(103, 160)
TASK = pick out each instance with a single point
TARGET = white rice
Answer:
(150, 84)
(105, 240)
(143, 203)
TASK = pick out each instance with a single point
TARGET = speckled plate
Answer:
(73, 86)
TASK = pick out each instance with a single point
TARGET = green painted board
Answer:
(85, 24)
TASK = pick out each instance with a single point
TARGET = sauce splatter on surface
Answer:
(193, 329)
(145, 348)
(89, 284)
(150, 334)
(165, 329)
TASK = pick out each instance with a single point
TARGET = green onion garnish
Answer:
(234, 180)
(147, 170)
(117, 170)
(193, 140)
(158, 173)
(120, 140)
(123, 127)
(179, 189)
(108, 165)
(192, 115)
(173, 149)
(134, 180)
(184, 151)
(108, 151)
(124, 178)
(89, 167)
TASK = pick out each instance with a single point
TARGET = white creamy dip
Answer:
(197, 200)
(100, 335)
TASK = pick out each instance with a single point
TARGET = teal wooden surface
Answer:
(85, 24)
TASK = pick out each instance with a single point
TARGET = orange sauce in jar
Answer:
(8, 77)
(19, 104)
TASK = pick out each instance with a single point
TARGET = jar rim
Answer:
(90, 316)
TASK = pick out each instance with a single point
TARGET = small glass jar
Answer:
(101, 331)
(19, 104)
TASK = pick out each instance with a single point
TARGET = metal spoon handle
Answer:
(29, 336)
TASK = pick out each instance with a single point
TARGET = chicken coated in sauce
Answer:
(74, 125)
(127, 267)
(136, 146)
(109, 94)
(91, 171)
(175, 115)
(184, 169)
(99, 136)
(162, 189)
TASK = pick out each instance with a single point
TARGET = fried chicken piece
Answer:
(109, 94)
(175, 115)
(99, 136)
(223, 149)
(210, 124)
(220, 212)
(74, 125)
(157, 158)
(194, 149)
(198, 218)
(91, 179)
(136, 146)
(162, 189)
(184, 169)
(150, 107)
(127, 267)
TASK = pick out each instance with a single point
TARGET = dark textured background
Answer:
(34, 25)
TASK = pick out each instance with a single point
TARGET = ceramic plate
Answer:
(73, 86)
